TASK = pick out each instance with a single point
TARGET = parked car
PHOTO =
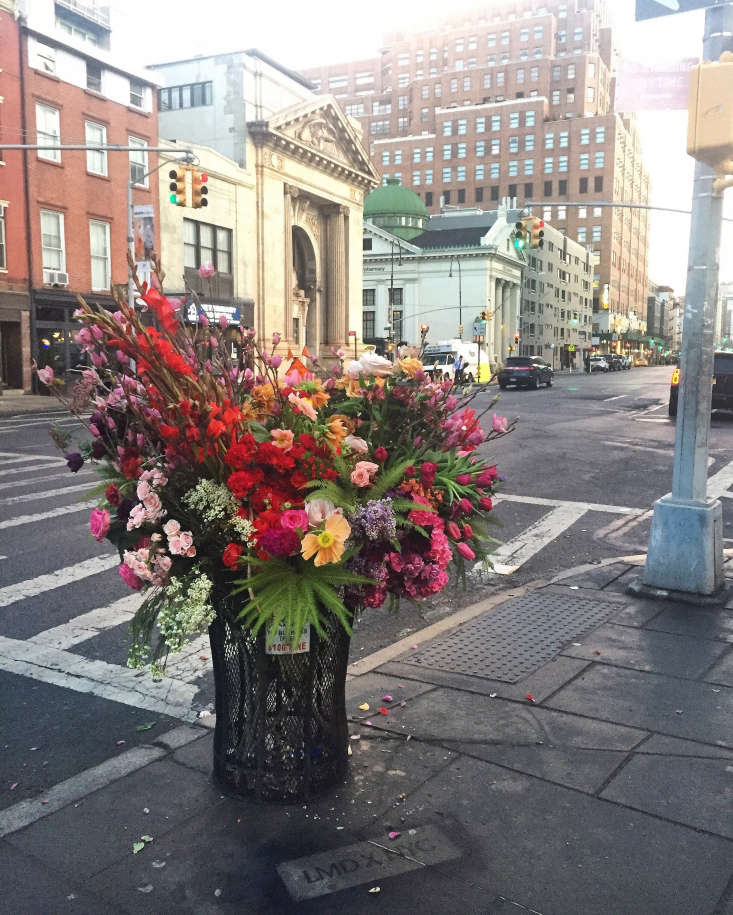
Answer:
(615, 362)
(722, 384)
(525, 372)
(640, 360)
(628, 362)
(598, 364)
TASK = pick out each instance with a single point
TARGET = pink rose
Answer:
(152, 503)
(283, 438)
(99, 523)
(186, 541)
(129, 577)
(294, 519)
(302, 405)
(320, 509)
(362, 473)
(356, 444)
(143, 490)
(170, 528)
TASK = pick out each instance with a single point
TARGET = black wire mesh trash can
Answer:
(281, 731)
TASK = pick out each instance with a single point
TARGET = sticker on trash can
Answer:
(283, 641)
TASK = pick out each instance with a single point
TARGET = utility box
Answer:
(710, 113)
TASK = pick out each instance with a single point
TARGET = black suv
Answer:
(722, 384)
(525, 372)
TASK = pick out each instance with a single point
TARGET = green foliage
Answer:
(389, 478)
(294, 593)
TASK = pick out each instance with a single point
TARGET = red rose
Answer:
(230, 556)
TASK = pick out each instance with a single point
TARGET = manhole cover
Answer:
(516, 638)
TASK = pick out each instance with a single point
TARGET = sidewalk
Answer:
(13, 401)
(566, 750)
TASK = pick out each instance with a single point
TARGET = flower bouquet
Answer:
(268, 499)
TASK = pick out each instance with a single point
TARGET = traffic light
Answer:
(199, 190)
(178, 185)
(516, 338)
(710, 125)
(482, 316)
(537, 233)
(520, 235)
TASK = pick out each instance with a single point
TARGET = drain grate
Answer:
(516, 638)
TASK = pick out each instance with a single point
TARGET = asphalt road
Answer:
(587, 460)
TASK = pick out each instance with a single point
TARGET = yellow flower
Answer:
(410, 366)
(328, 544)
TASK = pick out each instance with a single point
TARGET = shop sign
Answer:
(213, 313)
(283, 641)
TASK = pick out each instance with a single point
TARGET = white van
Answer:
(438, 359)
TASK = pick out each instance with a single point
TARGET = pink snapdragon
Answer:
(499, 423)
(45, 374)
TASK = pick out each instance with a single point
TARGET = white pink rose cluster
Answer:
(149, 508)
(148, 564)
(180, 543)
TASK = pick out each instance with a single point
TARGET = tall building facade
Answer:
(514, 101)
(74, 91)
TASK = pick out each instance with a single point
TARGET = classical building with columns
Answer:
(444, 276)
(283, 225)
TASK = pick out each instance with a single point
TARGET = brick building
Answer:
(515, 101)
(15, 335)
(76, 92)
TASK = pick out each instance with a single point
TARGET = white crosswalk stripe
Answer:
(32, 587)
(43, 516)
(47, 494)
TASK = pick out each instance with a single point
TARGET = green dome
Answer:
(396, 209)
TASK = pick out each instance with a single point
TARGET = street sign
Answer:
(479, 331)
(650, 9)
(643, 88)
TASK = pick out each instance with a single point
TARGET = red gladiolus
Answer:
(215, 428)
(453, 530)
(467, 531)
(465, 550)
(464, 479)
(230, 556)
(169, 432)
(465, 506)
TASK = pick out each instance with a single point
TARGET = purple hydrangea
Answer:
(374, 521)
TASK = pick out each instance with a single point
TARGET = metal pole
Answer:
(460, 300)
(390, 307)
(686, 538)
(131, 246)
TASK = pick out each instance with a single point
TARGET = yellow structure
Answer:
(710, 124)
(284, 232)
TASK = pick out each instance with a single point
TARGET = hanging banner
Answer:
(143, 235)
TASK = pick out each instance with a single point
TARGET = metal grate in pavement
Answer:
(516, 638)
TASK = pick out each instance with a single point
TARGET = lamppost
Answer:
(390, 308)
(460, 292)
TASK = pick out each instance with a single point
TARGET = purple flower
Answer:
(124, 509)
(374, 521)
(98, 449)
(74, 461)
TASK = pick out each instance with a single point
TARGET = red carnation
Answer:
(242, 481)
(230, 556)
(381, 454)
(112, 494)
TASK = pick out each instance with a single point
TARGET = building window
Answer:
(598, 183)
(494, 192)
(550, 140)
(461, 173)
(562, 213)
(462, 126)
(461, 150)
(529, 166)
(584, 161)
(447, 175)
(190, 95)
(495, 146)
(397, 316)
(48, 131)
(578, 34)
(570, 99)
(45, 58)
(505, 37)
(100, 255)
(402, 101)
(512, 190)
(534, 74)
(479, 194)
(524, 34)
(548, 188)
(599, 159)
(398, 157)
(562, 186)
(447, 128)
(491, 41)
(562, 163)
(500, 78)
(447, 151)
(480, 148)
(416, 178)
(529, 118)
(138, 161)
(424, 115)
(595, 233)
(428, 153)
(548, 165)
(53, 253)
(402, 124)
(583, 186)
(495, 122)
(479, 172)
(94, 76)
(3, 250)
(513, 168)
(480, 125)
(519, 75)
(555, 96)
(600, 134)
(96, 134)
(466, 83)
(368, 298)
(428, 176)
(555, 74)
(429, 196)
(513, 144)
(494, 171)
(547, 216)
(368, 323)
(207, 244)
(385, 157)
(582, 234)
(529, 193)
(454, 86)
(403, 80)
(461, 195)
(416, 154)
(137, 94)
(538, 33)
(437, 90)
(514, 119)
(585, 136)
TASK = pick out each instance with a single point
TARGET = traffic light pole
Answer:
(686, 540)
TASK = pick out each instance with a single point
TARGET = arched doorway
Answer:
(305, 291)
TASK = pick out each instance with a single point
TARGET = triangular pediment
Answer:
(319, 127)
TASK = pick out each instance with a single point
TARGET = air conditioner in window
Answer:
(55, 278)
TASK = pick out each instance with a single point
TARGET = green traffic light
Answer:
(173, 198)
(519, 243)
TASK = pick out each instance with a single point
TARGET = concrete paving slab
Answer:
(638, 613)
(559, 851)
(371, 689)
(677, 708)
(584, 769)
(673, 746)
(542, 683)
(29, 885)
(722, 672)
(643, 649)
(102, 828)
(50, 733)
(685, 789)
(598, 578)
(698, 622)
(458, 717)
(198, 755)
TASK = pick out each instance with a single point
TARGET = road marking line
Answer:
(54, 476)
(721, 481)
(81, 785)
(30, 469)
(87, 625)
(617, 397)
(20, 424)
(107, 681)
(638, 447)
(45, 494)
(32, 587)
(16, 458)
(556, 503)
(512, 555)
(193, 661)
(41, 516)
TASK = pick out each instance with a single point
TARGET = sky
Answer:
(300, 35)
